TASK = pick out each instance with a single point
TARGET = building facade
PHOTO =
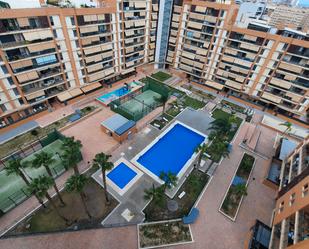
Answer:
(257, 63)
(47, 54)
(291, 217)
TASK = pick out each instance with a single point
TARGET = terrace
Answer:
(193, 189)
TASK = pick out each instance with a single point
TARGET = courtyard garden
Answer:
(238, 187)
(161, 76)
(193, 186)
(163, 234)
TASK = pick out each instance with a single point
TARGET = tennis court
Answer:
(142, 101)
(13, 189)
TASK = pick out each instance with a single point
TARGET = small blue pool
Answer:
(121, 175)
(172, 151)
(109, 97)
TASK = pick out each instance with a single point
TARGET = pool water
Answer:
(108, 97)
(172, 151)
(121, 175)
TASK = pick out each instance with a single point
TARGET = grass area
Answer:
(173, 109)
(161, 121)
(218, 113)
(163, 233)
(238, 187)
(31, 136)
(233, 106)
(200, 93)
(193, 186)
(193, 103)
(47, 220)
(161, 76)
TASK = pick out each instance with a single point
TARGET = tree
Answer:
(288, 127)
(223, 125)
(40, 187)
(162, 100)
(15, 167)
(101, 160)
(217, 149)
(72, 153)
(240, 189)
(77, 183)
(201, 149)
(169, 178)
(155, 194)
(45, 159)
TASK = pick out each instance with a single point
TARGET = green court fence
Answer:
(22, 194)
(150, 84)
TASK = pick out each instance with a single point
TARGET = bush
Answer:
(34, 132)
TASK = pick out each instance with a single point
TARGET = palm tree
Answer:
(40, 186)
(101, 160)
(201, 149)
(288, 128)
(45, 159)
(77, 183)
(221, 125)
(169, 178)
(72, 154)
(15, 167)
(155, 194)
(217, 149)
(240, 190)
(162, 100)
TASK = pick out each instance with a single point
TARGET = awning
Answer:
(90, 87)
(64, 96)
(35, 95)
(132, 69)
(75, 92)
(214, 85)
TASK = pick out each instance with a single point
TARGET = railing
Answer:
(293, 183)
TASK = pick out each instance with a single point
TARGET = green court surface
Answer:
(136, 105)
(12, 186)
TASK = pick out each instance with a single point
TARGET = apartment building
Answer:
(290, 16)
(263, 65)
(55, 54)
(291, 217)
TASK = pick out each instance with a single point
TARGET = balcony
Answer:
(42, 85)
(15, 57)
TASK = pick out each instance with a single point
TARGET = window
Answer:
(305, 190)
(46, 59)
(281, 207)
(292, 199)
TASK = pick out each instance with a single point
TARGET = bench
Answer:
(182, 194)
(191, 217)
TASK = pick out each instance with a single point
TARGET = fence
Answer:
(22, 194)
(150, 84)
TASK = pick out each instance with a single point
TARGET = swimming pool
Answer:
(121, 175)
(109, 97)
(121, 178)
(173, 150)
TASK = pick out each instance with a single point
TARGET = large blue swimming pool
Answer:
(172, 151)
(121, 175)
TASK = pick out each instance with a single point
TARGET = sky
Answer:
(304, 3)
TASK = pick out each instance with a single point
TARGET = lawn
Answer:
(163, 233)
(46, 220)
(161, 76)
(218, 113)
(160, 122)
(193, 103)
(233, 106)
(193, 186)
(29, 137)
(233, 198)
